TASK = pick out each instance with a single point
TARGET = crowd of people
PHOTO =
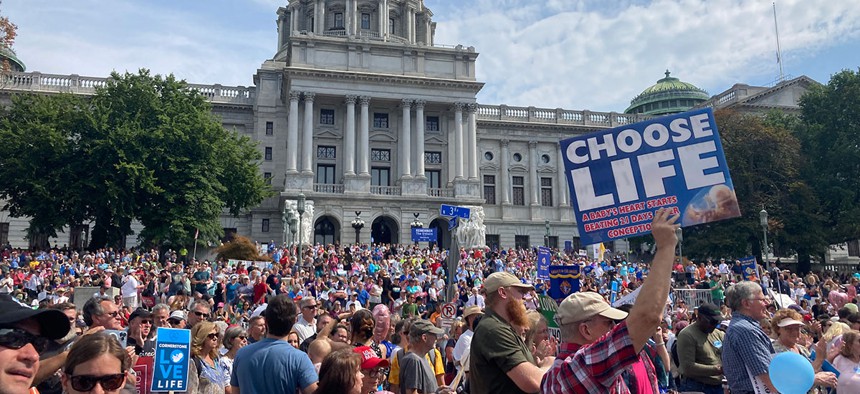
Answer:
(364, 319)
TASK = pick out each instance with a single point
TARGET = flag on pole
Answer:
(196, 233)
(602, 252)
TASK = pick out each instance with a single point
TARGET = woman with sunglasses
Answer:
(95, 360)
(235, 338)
(212, 377)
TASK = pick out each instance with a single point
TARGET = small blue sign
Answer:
(568, 246)
(748, 267)
(452, 223)
(455, 211)
(420, 234)
(543, 261)
(563, 281)
(619, 177)
(172, 359)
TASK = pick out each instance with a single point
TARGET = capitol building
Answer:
(373, 122)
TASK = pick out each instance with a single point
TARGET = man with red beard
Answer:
(500, 361)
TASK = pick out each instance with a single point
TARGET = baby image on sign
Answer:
(619, 177)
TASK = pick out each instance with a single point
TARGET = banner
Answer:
(619, 177)
(563, 281)
(420, 234)
(547, 307)
(748, 266)
(143, 369)
(543, 261)
(172, 359)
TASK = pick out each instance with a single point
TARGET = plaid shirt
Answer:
(596, 368)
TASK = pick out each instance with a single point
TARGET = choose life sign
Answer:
(619, 177)
(172, 357)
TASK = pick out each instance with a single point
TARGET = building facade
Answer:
(360, 111)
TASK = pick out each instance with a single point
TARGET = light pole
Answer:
(762, 219)
(357, 224)
(300, 208)
(285, 219)
(294, 227)
(680, 235)
(546, 235)
(416, 223)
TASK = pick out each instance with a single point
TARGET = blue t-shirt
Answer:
(231, 291)
(272, 366)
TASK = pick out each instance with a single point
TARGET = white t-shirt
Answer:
(129, 286)
(464, 343)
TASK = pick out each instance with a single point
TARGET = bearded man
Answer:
(500, 362)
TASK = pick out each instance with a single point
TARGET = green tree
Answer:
(830, 138)
(764, 159)
(144, 147)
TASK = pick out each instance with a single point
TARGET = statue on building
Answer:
(471, 233)
(307, 222)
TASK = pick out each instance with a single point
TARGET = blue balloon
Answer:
(791, 373)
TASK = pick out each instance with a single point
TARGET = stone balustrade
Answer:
(76, 84)
(556, 116)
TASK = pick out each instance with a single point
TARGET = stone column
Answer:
(321, 19)
(562, 187)
(293, 133)
(419, 139)
(383, 20)
(294, 19)
(349, 137)
(472, 142)
(533, 175)
(458, 140)
(504, 173)
(363, 151)
(308, 134)
(405, 139)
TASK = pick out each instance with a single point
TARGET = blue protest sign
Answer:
(748, 267)
(568, 246)
(619, 177)
(420, 234)
(172, 356)
(543, 261)
(563, 281)
(613, 292)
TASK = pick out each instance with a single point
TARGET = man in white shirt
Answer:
(464, 343)
(475, 299)
(129, 289)
(305, 325)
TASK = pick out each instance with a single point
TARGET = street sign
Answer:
(455, 211)
(445, 324)
(420, 234)
(449, 310)
(452, 223)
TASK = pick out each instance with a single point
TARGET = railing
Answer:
(693, 297)
(38, 82)
(335, 33)
(385, 190)
(328, 188)
(556, 116)
(369, 34)
(440, 192)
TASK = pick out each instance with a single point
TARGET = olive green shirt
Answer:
(700, 354)
(496, 349)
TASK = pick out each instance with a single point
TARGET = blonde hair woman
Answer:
(211, 375)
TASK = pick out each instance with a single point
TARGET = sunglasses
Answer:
(88, 382)
(202, 314)
(16, 338)
(311, 307)
(113, 314)
(242, 337)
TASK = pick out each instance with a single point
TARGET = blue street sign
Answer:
(172, 354)
(420, 234)
(452, 223)
(454, 211)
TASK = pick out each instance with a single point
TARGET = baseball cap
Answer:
(710, 310)
(497, 280)
(422, 326)
(141, 313)
(369, 359)
(583, 305)
(53, 324)
(471, 310)
(178, 315)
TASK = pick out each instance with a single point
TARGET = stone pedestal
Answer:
(414, 186)
(300, 182)
(356, 184)
(467, 188)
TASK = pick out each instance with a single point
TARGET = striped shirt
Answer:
(746, 347)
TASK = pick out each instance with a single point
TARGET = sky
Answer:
(572, 54)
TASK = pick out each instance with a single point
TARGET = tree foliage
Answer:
(8, 33)
(764, 159)
(239, 248)
(830, 138)
(144, 147)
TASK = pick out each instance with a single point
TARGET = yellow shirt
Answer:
(394, 374)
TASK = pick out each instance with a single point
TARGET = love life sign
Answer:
(619, 177)
(172, 357)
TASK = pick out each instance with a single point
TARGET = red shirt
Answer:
(260, 290)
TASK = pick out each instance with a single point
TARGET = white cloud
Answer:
(584, 54)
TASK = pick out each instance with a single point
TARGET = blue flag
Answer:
(748, 265)
(563, 281)
(543, 261)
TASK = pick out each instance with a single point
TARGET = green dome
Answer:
(14, 63)
(668, 96)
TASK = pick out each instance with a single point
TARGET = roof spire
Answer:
(667, 73)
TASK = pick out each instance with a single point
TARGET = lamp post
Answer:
(762, 219)
(546, 235)
(357, 224)
(285, 219)
(416, 223)
(294, 227)
(680, 235)
(300, 208)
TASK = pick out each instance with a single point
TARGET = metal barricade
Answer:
(693, 297)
